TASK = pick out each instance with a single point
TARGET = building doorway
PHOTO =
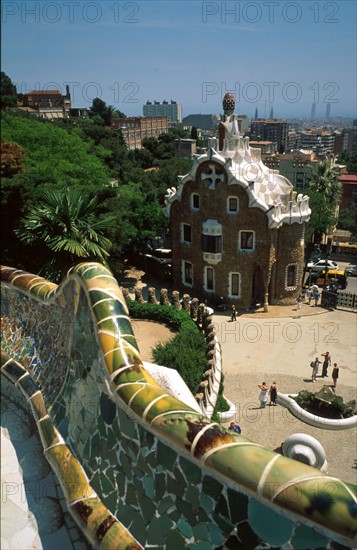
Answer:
(258, 288)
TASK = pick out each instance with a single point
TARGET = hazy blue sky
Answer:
(288, 54)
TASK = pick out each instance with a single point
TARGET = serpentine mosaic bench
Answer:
(138, 467)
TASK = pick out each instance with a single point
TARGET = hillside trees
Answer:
(95, 162)
(8, 96)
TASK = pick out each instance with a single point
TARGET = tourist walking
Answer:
(298, 302)
(335, 373)
(315, 293)
(234, 313)
(273, 391)
(263, 396)
(326, 363)
(315, 368)
(309, 295)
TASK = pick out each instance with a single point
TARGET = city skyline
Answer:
(271, 54)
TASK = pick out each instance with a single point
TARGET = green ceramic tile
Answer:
(221, 507)
(166, 524)
(304, 537)
(139, 485)
(211, 487)
(165, 504)
(207, 503)
(193, 496)
(186, 509)
(185, 528)
(131, 498)
(268, 525)
(160, 486)
(200, 531)
(95, 482)
(111, 501)
(225, 525)
(179, 476)
(155, 535)
(192, 472)
(247, 536)
(126, 514)
(142, 465)
(149, 486)
(120, 482)
(200, 546)
(107, 409)
(216, 535)
(151, 460)
(131, 448)
(202, 516)
(174, 515)
(165, 456)
(175, 541)
(238, 506)
(127, 426)
(147, 508)
(175, 488)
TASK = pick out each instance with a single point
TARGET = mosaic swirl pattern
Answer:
(166, 473)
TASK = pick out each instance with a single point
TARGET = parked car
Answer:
(333, 275)
(351, 271)
(322, 264)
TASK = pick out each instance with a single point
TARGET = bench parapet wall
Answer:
(165, 473)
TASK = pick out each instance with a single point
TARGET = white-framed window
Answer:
(195, 201)
(187, 273)
(291, 272)
(209, 279)
(234, 282)
(232, 205)
(246, 241)
(186, 233)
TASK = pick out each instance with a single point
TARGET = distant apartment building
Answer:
(135, 129)
(204, 122)
(350, 139)
(49, 104)
(349, 190)
(294, 166)
(317, 140)
(185, 148)
(270, 130)
(172, 110)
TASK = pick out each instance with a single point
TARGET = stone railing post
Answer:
(164, 299)
(176, 300)
(139, 295)
(194, 308)
(152, 296)
(186, 302)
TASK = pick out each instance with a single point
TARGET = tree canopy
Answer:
(324, 191)
(63, 228)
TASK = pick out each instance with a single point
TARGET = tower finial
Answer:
(229, 103)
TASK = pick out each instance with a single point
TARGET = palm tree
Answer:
(324, 179)
(325, 191)
(64, 227)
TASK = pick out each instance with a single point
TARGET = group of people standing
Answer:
(265, 391)
(325, 365)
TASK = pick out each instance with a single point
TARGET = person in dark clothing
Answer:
(273, 393)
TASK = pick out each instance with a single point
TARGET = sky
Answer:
(280, 54)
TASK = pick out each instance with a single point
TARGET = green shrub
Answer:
(329, 407)
(185, 352)
(162, 314)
